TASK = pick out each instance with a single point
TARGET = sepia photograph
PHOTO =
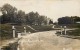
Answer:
(39, 24)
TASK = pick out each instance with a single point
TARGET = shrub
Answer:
(5, 31)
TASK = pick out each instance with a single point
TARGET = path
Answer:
(48, 40)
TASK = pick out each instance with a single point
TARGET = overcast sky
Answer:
(50, 8)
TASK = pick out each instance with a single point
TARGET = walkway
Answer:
(47, 40)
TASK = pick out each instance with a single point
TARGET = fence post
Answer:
(13, 31)
(25, 30)
(61, 30)
(65, 30)
(19, 35)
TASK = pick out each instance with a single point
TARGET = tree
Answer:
(8, 9)
(9, 12)
(75, 19)
(65, 20)
(69, 20)
(50, 22)
(42, 20)
(21, 16)
(32, 18)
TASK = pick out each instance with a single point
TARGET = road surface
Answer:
(47, 40)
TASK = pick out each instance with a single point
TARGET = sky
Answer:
(53, 9)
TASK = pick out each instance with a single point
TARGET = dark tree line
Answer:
(10, 14)
(69, 20)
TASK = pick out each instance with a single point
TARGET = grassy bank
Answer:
(74, 32)
(6, 29)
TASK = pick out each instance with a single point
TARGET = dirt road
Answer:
(47, 40)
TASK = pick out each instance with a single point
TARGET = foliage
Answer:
(69, 20)
(43, 28)
(10, 14)
(5, 31)
(75, 32)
